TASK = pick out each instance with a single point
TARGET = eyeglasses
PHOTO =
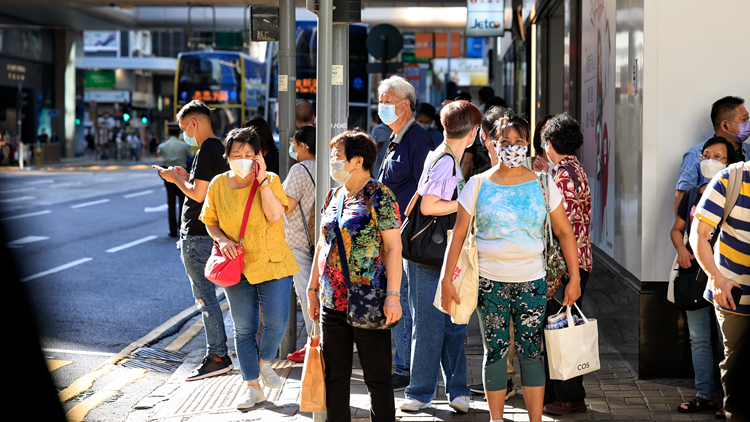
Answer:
(519, 142)
(709, 156)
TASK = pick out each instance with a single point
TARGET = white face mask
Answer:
(339, 172)
(711, 168)
(242, 167)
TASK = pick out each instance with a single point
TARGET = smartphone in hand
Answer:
(736, 295)
(158, 167)
(256, 168)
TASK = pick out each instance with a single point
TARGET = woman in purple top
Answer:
(436, 341)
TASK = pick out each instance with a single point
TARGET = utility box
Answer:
(344, 11)
(264, 23)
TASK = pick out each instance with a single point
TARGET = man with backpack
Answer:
(725, 206)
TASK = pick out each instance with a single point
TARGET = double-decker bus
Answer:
(232, 82)
(239, 86)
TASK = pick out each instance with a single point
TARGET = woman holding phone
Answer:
(268, 262)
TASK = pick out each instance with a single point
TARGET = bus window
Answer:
(213, 78)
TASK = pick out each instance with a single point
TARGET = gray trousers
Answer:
(735, 368)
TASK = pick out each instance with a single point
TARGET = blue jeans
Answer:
(301, 279)
(699, 325)
(195, 251)
(436, 341)
(244, 298)
(401, 333)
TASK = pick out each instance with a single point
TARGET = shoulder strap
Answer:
(734, 185)
(248, 205)
(434, 163)
(308, 173)
(340, 243)
(573, 175)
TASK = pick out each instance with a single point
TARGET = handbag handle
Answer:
(248, 205)
(569, 314)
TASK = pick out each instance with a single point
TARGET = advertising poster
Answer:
(598, 115)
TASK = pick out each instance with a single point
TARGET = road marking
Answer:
(64, 185)
(36, 182)
(78, 352)
(18, 198)
(31, 214)
(25, 240)
(53, 364)
(160, 208)
(79, 412)
(84, 383)
(131, 244)
(133, 195)
(56, 269)
(86, 204)
(17, 190)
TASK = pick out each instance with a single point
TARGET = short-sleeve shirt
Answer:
(444, 178)
(404, 162)
(208, 162)
(267, 256)
(372, 210)
(175, 152)
(510, 227)
(732, 250)
(577, 203)
(300, 185)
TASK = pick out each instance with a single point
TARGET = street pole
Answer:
(287, 126)
(340, 86)
(323, 105)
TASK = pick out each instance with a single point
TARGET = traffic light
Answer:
(144, 120)
(22, 100)
(126, 117)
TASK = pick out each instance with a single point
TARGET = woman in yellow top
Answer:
(268, 262)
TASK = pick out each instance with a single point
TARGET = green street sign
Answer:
(99, 79)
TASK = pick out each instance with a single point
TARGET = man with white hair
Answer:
(400, 171)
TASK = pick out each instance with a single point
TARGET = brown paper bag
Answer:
(313, 396)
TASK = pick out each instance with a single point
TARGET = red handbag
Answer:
(226, 272)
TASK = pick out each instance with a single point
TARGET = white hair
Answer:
(401, 88)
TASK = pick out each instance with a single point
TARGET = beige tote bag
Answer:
(466, 274)
(574, 350)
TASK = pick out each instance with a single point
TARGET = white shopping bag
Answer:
(574, 350)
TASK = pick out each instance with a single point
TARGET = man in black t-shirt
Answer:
(195, 243)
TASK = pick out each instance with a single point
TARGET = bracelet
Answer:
(393, 294)
(312, 290)
(265, 179)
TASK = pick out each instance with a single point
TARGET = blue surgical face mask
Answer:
(387, 112)
(292, 153)
(190, 140)
(425, 126)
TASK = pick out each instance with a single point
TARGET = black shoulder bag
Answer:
(424, 237)
(688, 290)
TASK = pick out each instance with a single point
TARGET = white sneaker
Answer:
(460, 404)
(411, 405)
(250, 398)
(269, 377)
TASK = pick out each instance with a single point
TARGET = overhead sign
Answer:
(485, 18)
(107, 97)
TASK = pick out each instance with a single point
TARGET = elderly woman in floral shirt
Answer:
(510, 214)
(561, 137)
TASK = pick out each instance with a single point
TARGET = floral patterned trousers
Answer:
(525, 304)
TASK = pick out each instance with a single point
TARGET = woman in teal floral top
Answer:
(370, 229)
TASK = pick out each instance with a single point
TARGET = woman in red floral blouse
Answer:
(561, 137)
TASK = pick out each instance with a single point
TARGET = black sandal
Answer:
(697, 404)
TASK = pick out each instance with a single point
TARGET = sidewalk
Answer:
(88, 163)
(614, 392)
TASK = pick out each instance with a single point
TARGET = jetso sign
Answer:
(487, 18)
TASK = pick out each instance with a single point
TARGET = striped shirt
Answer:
(732, 252)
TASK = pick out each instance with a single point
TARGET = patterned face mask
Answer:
(512, 156)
